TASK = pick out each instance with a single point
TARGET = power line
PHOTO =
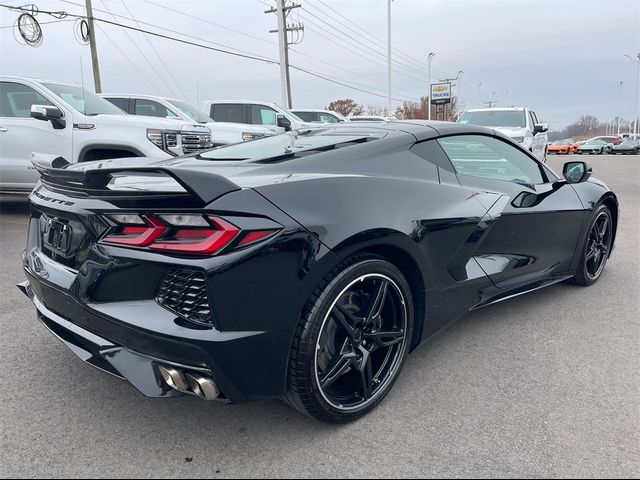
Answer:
(350, 47)
(246, 55)
(369, 34)
(128, 58)
(468, 90)
(184, 96)
(212, 23)
(260, 39)
(223, 48)
(135, 44)
(315, 74)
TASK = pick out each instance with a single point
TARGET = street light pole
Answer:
(389, 54)
(637, 116)
(429, 60)
(620, 83)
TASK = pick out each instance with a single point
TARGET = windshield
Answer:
(190, 111)
(84, 101)
(495, 118)
(290, 143)
(563, 142)
(595, 142)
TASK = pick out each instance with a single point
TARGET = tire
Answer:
(330, 376)
(587, 273)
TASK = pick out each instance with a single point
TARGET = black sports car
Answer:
(304, 266)
(628, 146)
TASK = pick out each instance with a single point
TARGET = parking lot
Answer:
(543, 385)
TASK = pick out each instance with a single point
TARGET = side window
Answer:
(261, 115)
(534, 119)
(306, 116)
(16, 100)
(228, 112)
(121, 103)
(152, 109)
(327, 118)
(488, 157)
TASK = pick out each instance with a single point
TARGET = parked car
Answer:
(595, 145)
(66, 120)
(222, 133)
(563, 146)
(255, 113)
(519, 123)
(613, 140)
(319, 116)
(314, 261)
(628, 146)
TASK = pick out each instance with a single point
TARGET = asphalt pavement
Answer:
(543, 385)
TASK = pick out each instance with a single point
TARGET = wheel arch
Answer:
(400, 250)
(89, 151)
(611, 201)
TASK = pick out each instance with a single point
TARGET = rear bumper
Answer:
(138, 369)
(135, 355)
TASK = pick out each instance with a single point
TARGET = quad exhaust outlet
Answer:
(189, 382)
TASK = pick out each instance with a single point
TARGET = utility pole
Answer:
(94, 49)
(429, 60)
(389, 54)
(635, 120)
(283, 44)
(449, 80)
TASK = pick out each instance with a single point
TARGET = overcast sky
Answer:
(563, 58)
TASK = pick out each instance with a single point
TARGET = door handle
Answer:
(3, 129)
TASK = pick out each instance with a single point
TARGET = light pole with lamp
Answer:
(429, 60)
(635, 120)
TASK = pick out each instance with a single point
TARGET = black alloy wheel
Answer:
(352, 342)
(597, 247)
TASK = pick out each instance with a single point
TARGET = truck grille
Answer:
(184, 292)
(192, 143)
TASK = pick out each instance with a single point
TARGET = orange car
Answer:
(563, 146)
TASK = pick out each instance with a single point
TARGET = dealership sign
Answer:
(440, 93)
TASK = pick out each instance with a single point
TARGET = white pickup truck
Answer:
(519, 123)
(222, 133)
(66, 120)
(255, 113)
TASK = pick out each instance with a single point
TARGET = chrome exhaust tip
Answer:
(174, 378)
(203, 387)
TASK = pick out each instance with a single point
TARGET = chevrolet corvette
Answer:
(304, 266)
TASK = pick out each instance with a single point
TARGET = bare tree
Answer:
(377, 110)
(346, 107)
(588, 123)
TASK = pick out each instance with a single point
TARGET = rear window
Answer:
(496, 118)
(306, 116)
(286, 145)
(228, 112)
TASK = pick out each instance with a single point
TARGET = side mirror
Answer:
(576, 172)
(540, 128)
(49, 113)
(283, 121)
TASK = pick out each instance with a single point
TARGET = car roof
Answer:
(140, 95)
(495, 109)
(312, 110)
(420, 129)
(256, 102)
(37, 80)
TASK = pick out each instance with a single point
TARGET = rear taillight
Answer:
(181, 233)
(140, 232)
(201, 240)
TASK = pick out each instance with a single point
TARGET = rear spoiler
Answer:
(204, 187)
